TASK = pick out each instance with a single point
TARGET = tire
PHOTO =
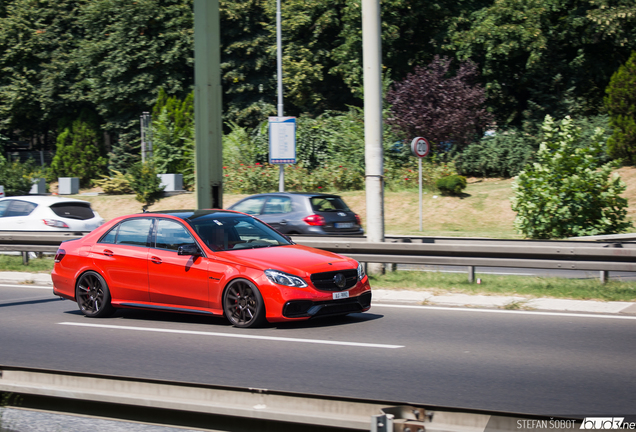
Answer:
(243, 304)
(92, 295)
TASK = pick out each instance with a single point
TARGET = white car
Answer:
(47, 213)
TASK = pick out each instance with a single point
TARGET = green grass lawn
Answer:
(539, 287)
(36, 265)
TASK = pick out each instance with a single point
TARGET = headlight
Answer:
(361, 273)
(281, 278)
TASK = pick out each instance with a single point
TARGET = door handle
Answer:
(155, 260)
(108, 253)
(283, 222)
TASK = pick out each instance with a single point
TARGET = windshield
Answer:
(233, 232)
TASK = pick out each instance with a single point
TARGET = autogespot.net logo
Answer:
(607, 423)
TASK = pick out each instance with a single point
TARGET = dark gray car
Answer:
(302, 213)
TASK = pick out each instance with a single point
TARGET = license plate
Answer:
(343, 224)
(340, 295)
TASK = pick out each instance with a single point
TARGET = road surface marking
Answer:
(29, 286)
(460, 309)
(237, 336)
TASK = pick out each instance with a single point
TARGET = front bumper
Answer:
(314, 309)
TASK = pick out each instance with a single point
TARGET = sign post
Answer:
(282, 144)
(420, 148)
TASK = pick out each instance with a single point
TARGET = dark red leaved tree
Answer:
(440, 106)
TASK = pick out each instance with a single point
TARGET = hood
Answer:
(294, 259)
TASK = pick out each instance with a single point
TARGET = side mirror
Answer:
(189, 249)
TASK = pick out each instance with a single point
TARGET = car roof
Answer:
(306, 194)
(43, 199)
(189, 215)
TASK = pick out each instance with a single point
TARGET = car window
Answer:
(278, 205)
(134, 232)
(110, 236)
(3, 206)
(250, 205)
(171, 235)
(19, 208)
(328, 204)
(73, 210)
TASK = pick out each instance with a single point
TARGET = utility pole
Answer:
(207, 104)
(373, 153)
(279, 78)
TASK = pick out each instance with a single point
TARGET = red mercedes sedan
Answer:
(215, 262)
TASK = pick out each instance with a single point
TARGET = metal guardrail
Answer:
(469, 252)
(560, 254)
(212, 407)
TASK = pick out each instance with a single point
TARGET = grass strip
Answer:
(529, 286)
(36, 265)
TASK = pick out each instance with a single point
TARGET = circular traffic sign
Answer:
(420, 147)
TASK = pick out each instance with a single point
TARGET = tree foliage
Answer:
(16, 177)
(80, 150)
(541, 57)
(173, 136)
(621, 106)
(441, 106)
(566, 192)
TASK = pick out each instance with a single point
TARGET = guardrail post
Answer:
(382, 423)
(471, 274)
(604, 276)
(25, 258)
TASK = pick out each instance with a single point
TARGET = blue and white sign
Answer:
(282, 140)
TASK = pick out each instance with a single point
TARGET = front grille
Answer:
(327, 281)
(307, 308)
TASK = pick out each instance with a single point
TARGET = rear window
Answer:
(328, 204)
(72, 210)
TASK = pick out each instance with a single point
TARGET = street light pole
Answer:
(373, 153)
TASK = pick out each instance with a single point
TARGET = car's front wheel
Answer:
(93, 296)
(243, 304)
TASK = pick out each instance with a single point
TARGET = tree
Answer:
(541, 57)
(37, 38)
(129, 51)
(566, 192)
(80, 150)
(173, 136)
(442, 107)
(621, 106)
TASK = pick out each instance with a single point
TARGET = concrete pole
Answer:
(372, 67)
(279, 78)
(207, 104)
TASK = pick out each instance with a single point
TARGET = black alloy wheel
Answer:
(243, 304)
(93, 296)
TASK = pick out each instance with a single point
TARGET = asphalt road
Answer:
(514, 361)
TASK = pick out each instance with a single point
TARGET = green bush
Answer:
(79, 150)
(568, 192)
(118, 184)
(16, 177)
(501, 155)
(145, 183)
(451, 185)
(621, 105)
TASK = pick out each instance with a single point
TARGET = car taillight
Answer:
(54, 223)
(59, 255)
(314, 220)
(358, 221)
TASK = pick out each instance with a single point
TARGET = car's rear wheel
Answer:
(93, 296)
(243, 304)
